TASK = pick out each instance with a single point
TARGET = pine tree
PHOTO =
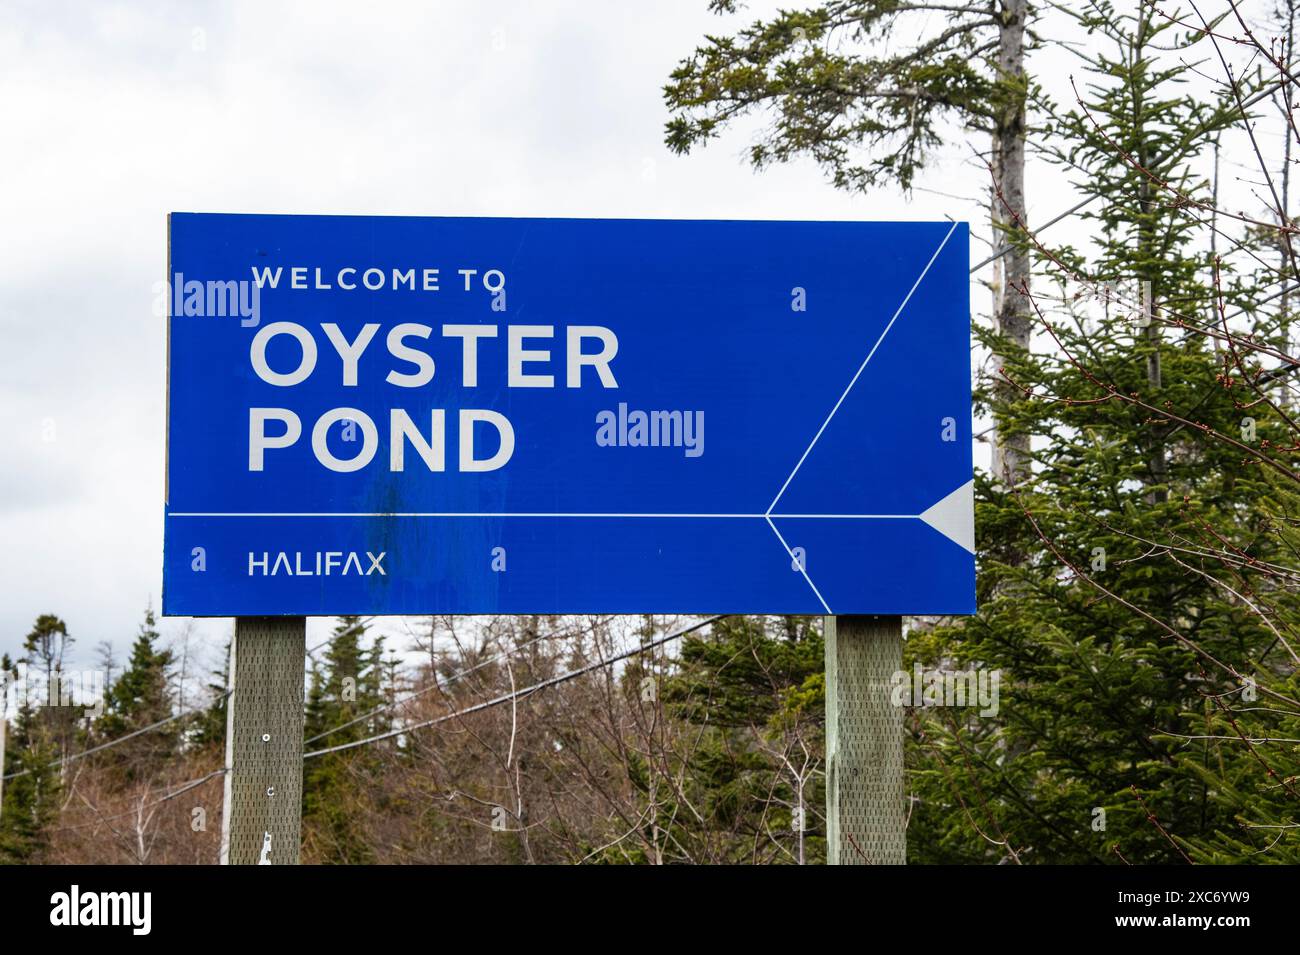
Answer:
(47, 646)
(209, 727)
(342, 693)
(139, 698)
(750, 694)
(31, 797)
(1093, 601)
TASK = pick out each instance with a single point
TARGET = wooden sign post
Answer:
(262, 820)
(866, 820)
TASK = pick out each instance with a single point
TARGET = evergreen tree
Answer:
(342, 693)
(751, 695)
(47, 646)
(1116, 650)
(139, 698)
(209, 726)
(31, 797)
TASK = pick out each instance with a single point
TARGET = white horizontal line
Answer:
(846, 517)
(837, 517)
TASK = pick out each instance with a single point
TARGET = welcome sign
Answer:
(449, 415)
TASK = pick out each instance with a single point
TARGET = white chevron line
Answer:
(800, 564)
(861, 368)
(853, 381)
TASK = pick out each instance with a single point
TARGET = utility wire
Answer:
(525, 692)
(437, 684)
(184, 788)
(1007, 248)
(163, 722)
(122, 739)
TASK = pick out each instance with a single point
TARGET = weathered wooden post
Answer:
(262, 818)
(865, 799)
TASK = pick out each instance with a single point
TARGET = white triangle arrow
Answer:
(954, 516)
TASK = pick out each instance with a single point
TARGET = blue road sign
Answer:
(441, 415)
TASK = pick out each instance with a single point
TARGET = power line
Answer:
(122, 739)
(460, 674)
(184, 788)
(525, 692)
(429, 689)
(1007, 248)
(163, 722)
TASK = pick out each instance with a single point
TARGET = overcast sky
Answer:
(116, 114)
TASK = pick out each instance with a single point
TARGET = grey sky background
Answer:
(116, 114)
